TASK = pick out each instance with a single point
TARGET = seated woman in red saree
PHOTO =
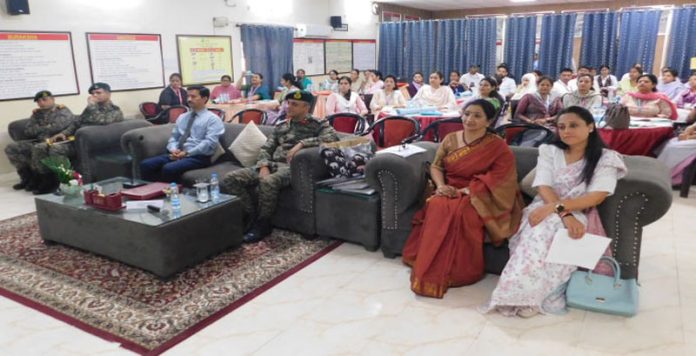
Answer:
(477, 192)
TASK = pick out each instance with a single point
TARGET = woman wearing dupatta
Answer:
(584, 96)
(647, 102)
(477, 191)
(573, 176)
(435, 94)
(687, 99)
(539, 108)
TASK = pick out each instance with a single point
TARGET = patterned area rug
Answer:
(127, 305)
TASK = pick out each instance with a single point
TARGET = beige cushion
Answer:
(247, 145)
(219, 151)
(526, 184)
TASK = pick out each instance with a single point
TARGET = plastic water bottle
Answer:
(174, 198)
(214, 188)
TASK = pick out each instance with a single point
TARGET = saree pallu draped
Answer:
(445, 247)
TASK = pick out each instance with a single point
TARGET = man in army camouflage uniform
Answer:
(272, 170)
(99, 111)
(46, 121)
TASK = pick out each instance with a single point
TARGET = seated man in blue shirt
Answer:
(194, 141)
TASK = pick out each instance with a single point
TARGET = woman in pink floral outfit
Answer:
(573, 176)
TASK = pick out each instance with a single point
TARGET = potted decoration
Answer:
(70, 180)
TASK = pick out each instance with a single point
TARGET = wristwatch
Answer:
(559, 208)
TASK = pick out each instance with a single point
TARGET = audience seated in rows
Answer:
(605, 82)
(488, 90)
(454, 84)
(358, 82)
(390, 96)
(680, 152)
(630, 83)
(174, 94)
(373, 82)
(688, 97)
(583, 96)
(472, 78)
(507, 86)
(345, 101)
(528, 85)
(331, 83)
(415, 84)
(647, 102)
(227, 89)
(435, 94)
(562, 85)
(304, 80)
(539, 108)
(670, 85)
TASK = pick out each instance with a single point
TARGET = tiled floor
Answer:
(357, 302)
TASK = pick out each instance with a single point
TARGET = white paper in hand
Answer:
(584, 252)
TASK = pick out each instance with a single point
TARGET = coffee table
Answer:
(159, 242)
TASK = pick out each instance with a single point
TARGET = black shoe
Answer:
(259, 231)
(48, 183)
(25, 177)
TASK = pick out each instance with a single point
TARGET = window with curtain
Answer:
(449, 49)
(268, 50)
(682, 45)
(419, 49)
(637, 39)
(599, 44)
(556, 48)
(520, 40)
(479, 45)
(391, 49)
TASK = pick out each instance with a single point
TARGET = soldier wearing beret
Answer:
(45, 121)
(99, 111)
(272, 170)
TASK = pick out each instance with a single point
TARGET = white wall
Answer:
(168, 18)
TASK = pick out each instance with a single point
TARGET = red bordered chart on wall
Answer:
(318, 56)
(34, 61)
(364, 54)
(338, 55)
(126, 61)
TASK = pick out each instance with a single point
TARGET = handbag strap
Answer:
(614, 266)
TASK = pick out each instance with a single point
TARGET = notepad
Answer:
(403, 150)
(584, 252)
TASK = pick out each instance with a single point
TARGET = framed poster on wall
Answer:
(204, 59)
(34, 61)
(364, 54)
(126, 61)
(339, 55)
(308, 54)
(388, 16)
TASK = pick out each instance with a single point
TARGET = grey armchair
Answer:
(642, 197)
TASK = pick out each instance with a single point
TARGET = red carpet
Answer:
(124, 304)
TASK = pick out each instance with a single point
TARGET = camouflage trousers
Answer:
(244, 183)
(19, 153)
(43, 150)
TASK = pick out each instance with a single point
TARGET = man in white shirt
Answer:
(573, 83)
(561, 86)
(471, 79)
(507, 85)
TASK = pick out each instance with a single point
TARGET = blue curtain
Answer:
(637, 38)
(519, 47)
(479, 44)
(682, 45)
(268, 50)
(556, 49)
(419, 47)
(391, 49)
(449, 48)
(599, 32)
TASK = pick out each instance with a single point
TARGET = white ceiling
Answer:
(438, 5)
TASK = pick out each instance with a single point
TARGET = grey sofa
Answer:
(295, 210)
(641, 198)
(98, 148)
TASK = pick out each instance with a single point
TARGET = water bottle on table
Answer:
(174, 198)
(214, 188)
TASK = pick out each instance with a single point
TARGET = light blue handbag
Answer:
(603, 294)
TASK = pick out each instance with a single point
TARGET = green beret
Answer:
(99, 85)
(42, 94)
(300, 95)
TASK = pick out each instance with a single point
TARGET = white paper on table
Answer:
(403, 150)
(584, 252)
(142, 204)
